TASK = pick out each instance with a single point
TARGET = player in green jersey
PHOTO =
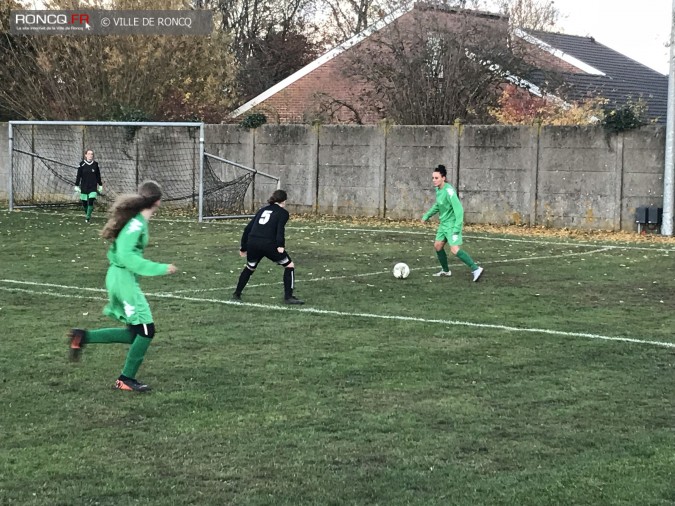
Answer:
(127, 227)
(451, 217)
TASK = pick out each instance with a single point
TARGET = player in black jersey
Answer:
(88, 183)
(264, 237)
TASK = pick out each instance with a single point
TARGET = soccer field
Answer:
(550, 381)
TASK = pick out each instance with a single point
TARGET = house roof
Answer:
(620, 78)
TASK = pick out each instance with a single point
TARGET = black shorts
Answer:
(256, 252)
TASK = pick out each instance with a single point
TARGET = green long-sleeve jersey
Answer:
(449, 208)
(127, 250)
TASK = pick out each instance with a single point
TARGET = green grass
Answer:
(522, 389)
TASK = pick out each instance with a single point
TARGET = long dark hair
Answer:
(277, 196)
(128, 206)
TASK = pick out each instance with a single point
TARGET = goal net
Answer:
(45, 157)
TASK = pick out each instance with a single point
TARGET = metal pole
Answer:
(667, 225)
(201, 171)
(10, 192)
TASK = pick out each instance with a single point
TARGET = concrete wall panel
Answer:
(351, 170)
(412, 154)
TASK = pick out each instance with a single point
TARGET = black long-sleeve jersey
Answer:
(88, 176)
(267, 227)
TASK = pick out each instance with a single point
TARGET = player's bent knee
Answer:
(290, 266)
(143, 330)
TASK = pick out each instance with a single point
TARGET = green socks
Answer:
(135, 356)
(136, 353)
(461, 254)
(90, 209)
(443, 259)
(109, 336)
(464, 257)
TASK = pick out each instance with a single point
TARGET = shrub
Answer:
(629, 116)
(253, 120)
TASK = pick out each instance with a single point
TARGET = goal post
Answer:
(44, 157)
(224, 168)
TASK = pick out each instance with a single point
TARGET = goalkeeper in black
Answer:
(88, 183)
(264, 237)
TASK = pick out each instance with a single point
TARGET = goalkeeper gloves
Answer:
(99, 188)
(76, 189)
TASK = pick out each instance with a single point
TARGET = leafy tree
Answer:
(519, 107)
(98, 77)
(6, 112)
(627, 116)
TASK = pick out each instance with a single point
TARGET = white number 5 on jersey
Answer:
(265, 217)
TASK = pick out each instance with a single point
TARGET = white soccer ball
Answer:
(401, 270)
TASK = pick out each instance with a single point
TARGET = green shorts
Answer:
(126, 302)
(445, 234)
(87, 196)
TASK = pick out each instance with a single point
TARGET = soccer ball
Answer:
(401, 270)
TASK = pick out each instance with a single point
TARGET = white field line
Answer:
(51, 294)
(269, 307)
(102, 290)
(430, 233)
(386, 271)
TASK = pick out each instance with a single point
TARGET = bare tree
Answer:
(345, 18)
(531, 14)
(274, 57)
(249, 21)
(439, 66)
(270, 39)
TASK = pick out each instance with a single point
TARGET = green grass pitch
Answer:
(550, 381)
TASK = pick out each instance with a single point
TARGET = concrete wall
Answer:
(642, 175)
(410, 152)
(575, 177)
(351, 167)
(578, 178)
(288, 152)
(497, 173)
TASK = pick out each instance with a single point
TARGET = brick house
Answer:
(321, 90)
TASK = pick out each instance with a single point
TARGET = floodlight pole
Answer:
(10, 189)
(667, 224)
(201, 173)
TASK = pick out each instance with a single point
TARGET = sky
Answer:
(637, 29)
